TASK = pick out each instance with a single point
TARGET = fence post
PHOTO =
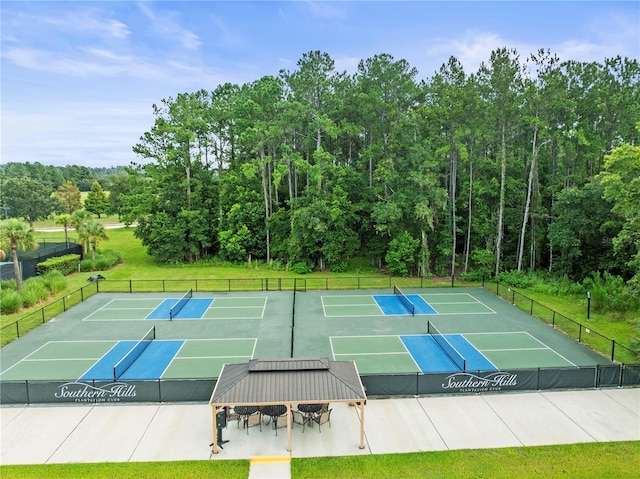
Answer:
(452, 280)
(580, 333)
(64, 304)
(130, 286)
(613, 349)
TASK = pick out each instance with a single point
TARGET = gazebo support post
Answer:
(361, 404)
(288, 427)
(215, 428)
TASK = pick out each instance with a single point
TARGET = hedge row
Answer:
(66, 264)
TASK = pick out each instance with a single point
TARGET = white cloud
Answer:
(326, 10)
(86, 21)
(166, 25)
(471, 49)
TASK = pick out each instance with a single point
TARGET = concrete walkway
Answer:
(172, 432)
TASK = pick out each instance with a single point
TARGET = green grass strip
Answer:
(227, 469)
(614, 460)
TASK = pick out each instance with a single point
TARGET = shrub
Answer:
(10, 302)
(8, 284)
(518, 279)
(474, 276)
(300, 268)
(33, 291)
(66, 264)
(608, 293)
(104, 260)
(54, 281)
(276, 265)
(340, 267)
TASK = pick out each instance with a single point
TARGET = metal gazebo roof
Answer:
(288, 381)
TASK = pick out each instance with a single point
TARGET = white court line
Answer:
(544, 346)
(209, 357)
(374, 354)
(515, 349)
(236, 307)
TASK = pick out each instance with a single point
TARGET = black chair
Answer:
(247, 415)
(309, 412)
(323, 418)
(274, 412)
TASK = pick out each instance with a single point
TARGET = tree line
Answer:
(526, 164)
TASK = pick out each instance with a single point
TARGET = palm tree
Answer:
(65, 221)
(95, 233)
(15, 234)
(79, 219)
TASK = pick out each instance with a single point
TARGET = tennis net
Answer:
(448, 348)
(404, 300)
(133, 354)
(176, 308)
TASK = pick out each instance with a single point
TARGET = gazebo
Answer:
(287, 382)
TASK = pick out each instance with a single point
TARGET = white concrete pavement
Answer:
(171, 432)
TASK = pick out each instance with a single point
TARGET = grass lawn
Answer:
(616, 460)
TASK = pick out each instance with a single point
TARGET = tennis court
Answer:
(442, 353)
(401, 304)
(145, 337)
(178, 309)
(147, 359)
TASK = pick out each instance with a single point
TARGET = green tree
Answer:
(28, 198)
(580, 232)
(621, 182)
(401, 256)
(97, 201)
(70, 197)
(65, 221)
(118, 185)
(322, 231)
(79, 220)
(501, 88)
(176, 195)
(15, 234)
(95, 234)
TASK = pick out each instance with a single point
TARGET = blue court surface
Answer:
(151, 363)
(431, 358)
(193, 309)
(393, 305)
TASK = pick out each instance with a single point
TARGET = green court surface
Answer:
(237, 327)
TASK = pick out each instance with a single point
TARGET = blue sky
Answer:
(79, 78)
